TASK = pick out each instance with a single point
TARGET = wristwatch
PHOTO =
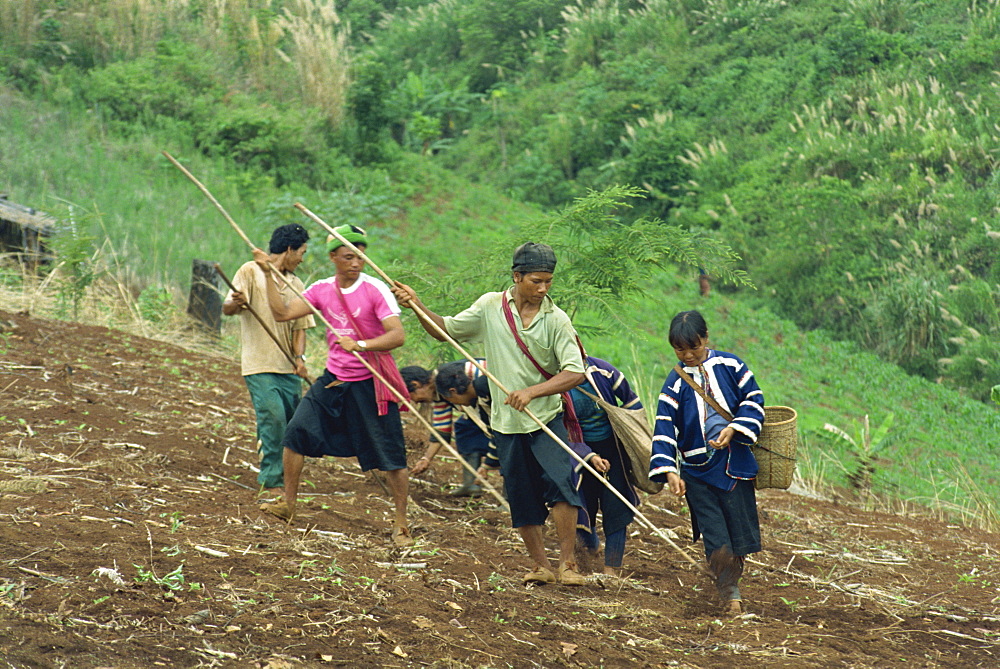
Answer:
(301, 357)
(362, 344)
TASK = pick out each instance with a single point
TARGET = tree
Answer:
(603, 263)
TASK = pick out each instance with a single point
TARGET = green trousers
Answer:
(274, 398)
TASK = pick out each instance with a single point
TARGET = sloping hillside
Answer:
(130, 537)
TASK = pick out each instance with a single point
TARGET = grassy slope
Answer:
(441, 221)
(935, 433)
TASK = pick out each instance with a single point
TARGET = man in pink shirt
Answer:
(348, 412)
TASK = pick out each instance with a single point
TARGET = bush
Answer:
(174, 83)
(532, 178)
(156, 304)
(491, 34)
(907, 327)
(289, 146)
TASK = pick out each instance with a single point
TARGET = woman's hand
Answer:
(600, 464)
(263, 260)
(724, 438)
(676, 484)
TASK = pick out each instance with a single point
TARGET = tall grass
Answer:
(320, 54)
(102, 31)
(244, 35)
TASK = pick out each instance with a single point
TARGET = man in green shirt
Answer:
(538, 473)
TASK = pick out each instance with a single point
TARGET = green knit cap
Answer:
(351, 233)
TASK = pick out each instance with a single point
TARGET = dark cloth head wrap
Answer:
(532, 257)
(351, 233)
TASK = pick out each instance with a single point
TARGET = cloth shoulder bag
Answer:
(631, 429)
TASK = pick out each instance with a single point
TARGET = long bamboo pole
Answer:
(404, 400)
(446, 337)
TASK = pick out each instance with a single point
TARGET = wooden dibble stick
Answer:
(405, 401)
(424, 317)
(267, 329)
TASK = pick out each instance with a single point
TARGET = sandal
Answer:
(279, 509)
(568, 575)
(540, 575)
(401, 537)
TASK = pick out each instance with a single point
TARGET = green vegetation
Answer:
(845, 150)
(173, 580)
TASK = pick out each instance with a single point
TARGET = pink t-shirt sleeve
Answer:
(387, 305)
(312, 294)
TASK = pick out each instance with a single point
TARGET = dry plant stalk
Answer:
(19, 21)
(320, 54)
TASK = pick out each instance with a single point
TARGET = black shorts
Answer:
(537, 473)
(343, 421)
(470, 438)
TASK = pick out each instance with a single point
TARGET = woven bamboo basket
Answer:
(776, 448)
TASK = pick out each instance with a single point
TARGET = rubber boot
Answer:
(469, 487)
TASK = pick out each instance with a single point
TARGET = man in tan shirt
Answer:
(275, 386)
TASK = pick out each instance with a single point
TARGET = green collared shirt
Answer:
(551, 339)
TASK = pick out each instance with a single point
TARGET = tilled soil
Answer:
(130, 537)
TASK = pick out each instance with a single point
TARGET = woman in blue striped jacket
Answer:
(705, 456)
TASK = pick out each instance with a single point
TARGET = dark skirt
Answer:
(615, 515)
(342, 421)
(724, 518)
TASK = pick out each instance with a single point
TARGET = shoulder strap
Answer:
(509, 315)
(347, 309)
(701, 391)
(598, 400)
(573, 429)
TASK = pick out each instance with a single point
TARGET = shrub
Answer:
(534, 179)
(289, 146)
(906, 324)
(654, 158)
(491, 36)
(76, 269)
(171, 83)
(156, 304)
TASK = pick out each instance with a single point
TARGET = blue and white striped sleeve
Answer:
(663, 459)
(749, 416)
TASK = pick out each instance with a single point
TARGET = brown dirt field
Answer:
(123, 459)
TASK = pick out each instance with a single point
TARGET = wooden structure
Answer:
(205, 299)
(23, 231)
